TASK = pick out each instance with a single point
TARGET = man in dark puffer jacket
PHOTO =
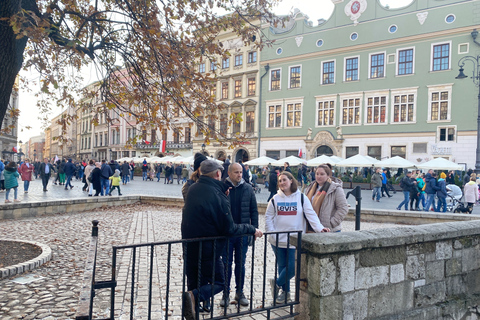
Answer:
(243, 205)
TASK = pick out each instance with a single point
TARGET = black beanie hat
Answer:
(198, 158)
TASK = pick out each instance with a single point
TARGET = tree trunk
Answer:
(11, 54)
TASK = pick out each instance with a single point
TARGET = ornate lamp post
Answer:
(476, 81)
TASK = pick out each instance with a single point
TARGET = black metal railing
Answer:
(152, 287)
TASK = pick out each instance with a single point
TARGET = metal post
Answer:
(357, 193)
(95, 228)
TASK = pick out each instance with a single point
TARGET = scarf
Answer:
(318, 200)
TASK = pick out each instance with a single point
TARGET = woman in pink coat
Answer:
(25, 171)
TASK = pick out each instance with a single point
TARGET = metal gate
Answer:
(148, 279)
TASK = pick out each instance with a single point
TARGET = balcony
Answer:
(169, 145)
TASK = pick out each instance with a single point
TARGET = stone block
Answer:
(355, 305)
(472, 282)
(371, 277)
(330, 308)
(390, 300)
(346, 281)
(419, 283)
(455, 286)
(420, 248)
(457, 245)
(415, 267)
(382, 256)
(17, 213)
(430, 294)
(453, 267)
(322, 276)
(470, 258)
(435, 271)
(8, 214)
(397, 273)
(444, 250)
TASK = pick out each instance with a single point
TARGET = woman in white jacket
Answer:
(471, 192)
(285, 212)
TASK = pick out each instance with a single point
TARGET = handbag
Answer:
(33, 177)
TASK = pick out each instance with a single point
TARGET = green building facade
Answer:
(374, 81)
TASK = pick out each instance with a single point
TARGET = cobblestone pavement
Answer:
(154, 188)
(54, 293)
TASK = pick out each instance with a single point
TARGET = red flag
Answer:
(146, 142)
(162, 146)
(14, 149)
(300, 152)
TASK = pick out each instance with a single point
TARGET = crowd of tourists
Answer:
(220, 201)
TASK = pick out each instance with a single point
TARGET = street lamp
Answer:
(476, 81)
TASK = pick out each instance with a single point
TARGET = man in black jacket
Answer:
(243, 205)
(207, 214)
(272, 182)
(46, 169)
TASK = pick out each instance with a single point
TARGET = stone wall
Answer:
(419, 272)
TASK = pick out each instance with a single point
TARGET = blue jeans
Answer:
(240, 245)
(69, 178)
(158, 176)
(377, 192)
(144, 174)
(26, 184)
(282, 254)
(124, 178)
(421, 199)
(406, 197)
(430, 201)
(14, 193)
(441, 202)
(131, 175)
(105, 183)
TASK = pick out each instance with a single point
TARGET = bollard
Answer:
(357, 193)
(95, 228)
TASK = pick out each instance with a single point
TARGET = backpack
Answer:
(402, 184)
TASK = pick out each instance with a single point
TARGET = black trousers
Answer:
(45, 179)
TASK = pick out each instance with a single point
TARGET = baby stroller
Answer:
(454, 200)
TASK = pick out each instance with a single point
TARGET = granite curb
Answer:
(29, 265)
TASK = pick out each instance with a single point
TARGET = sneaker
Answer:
(16, 200)
(281, 297)
(240, 298)
(274, 288)
(26, 192)
(225, 301)
(7, 201)
(206, 306)
(188, 305)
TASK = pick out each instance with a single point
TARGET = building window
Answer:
(275, 80)
(101, 139)
(176, 136)
(326, 113)
(439, 105)
(113, 137)
(213, 66)
(251, 86)
(405, 62)
(328, 72)
(354, 36)
(279, 51)
(351, 151)
(274, 154)
(252, 57)
(295, 77)
(199, 126)
(289, 153)
(446, 134)
(319, 43)
(236, 124)
(211, 123)
(153, 136)
(89, 142)
(403, 107)
(238, 88)
(351, 69)
(441, 57)
(250, 122)
(226, 63)
(376, 109)
(223, 124)
(274, 116)
(201, 68)
(351, 111)
(377, 65)
(224, 90)
(375, 152)
(398, 151)
(238, 60)
(294, 114)
(419, 148)
(213, 91)
(450, 18)
(188, 135)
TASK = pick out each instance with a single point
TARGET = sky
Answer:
(315, 9)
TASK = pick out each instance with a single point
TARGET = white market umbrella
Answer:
(187, 160)
(335, 158)
(166, 159)
(139, 160)
(292, 161)
(154, 160)
(395, 162)
(440, 164)
(358, 161)
(321, 160)
(261, 161)
(177, 160)
(212, 158)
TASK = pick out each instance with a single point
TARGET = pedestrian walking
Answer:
(243, 206)
(272, 182)
(406, 185)
(125, 169)
(414, 194)
(88, 177)
(442, 193)
(69, 169)
(61, 172)
(11, 181)
(385, 184)
(97, 179)
(144, 170)
(26, 173)
(430, 189)
(471, 192)
(421, 190)
(184, 175)
(106, 173)
(377, 184)
(2, 177)
(46, 170)
(178, 172)
(115, 182)
(132, 169)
